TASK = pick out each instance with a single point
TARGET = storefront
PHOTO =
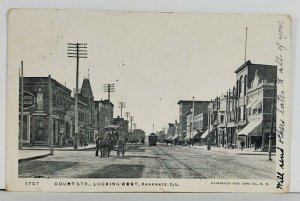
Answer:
(251, 134)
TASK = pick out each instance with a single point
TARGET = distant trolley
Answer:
(152, 139)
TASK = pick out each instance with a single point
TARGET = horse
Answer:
(169, 141)
(103, 144)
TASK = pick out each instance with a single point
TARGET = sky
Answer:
(154, 59)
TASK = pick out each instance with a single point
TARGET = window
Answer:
(245, 85)
(222, 118)
(240, 86)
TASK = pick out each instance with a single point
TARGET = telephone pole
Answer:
(122, 105)
(50, 123)
(193, 114)
(78, 51)
(109, 88)
(127, 115)
(272, 119)
(131, 120)
(22, 108)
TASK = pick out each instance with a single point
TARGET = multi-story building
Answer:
(248, 79)
(200, 123)
(259, 98)
(244, 113)
(106, 109)
(185, 107)
(86, 111)
(36, 115)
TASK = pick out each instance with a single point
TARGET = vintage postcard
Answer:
(116, 101)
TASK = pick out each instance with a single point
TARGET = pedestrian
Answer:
(242, 144)
(97, 145)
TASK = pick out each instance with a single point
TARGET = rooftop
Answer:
(190, 101)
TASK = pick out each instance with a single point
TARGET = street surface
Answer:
(144, 161)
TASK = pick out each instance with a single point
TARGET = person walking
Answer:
(242, 144)
(97, 145)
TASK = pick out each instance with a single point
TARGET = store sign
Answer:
(28, 100)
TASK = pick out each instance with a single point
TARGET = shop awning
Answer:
(169, 138)
(197, 136)
(253, 128)
(231, 125)
(222, 125)
(250, 105)
(174, 137)
(187, 137)
(257, 105)
(204, 134)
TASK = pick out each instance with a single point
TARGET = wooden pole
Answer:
(272, 120)
(22, 109)
(50, 123)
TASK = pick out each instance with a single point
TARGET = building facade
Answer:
(185, 107)
(36, 115)
(254, 82)
(106, 109)
(244, 112)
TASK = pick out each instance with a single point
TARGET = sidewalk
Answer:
(247, 151)
(35, 152)
(26, 155)
(89, 147)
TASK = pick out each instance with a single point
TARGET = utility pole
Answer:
(22, 109)
(122, 105)
(272, 119)
(127, 115)
(246, 44)
(131, 120)
(109, 88)
(209, 134)
(210, 108)
(193, 114)
(50, 123)
(226, 113)
(153, 128)
(78, 51)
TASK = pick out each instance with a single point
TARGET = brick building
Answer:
(185, 107)
(36, 111)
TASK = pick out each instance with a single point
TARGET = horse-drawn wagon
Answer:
(111, 138)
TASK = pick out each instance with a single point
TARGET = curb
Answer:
(33, 158)
(55, 149)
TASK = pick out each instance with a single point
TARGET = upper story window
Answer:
(222, 119)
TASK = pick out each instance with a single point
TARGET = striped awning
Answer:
(204, 134)
(253, 128)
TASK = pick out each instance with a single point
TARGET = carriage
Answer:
(111, 138)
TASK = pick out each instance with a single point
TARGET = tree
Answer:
(137, 135)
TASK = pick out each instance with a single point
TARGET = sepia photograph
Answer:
(116, 101)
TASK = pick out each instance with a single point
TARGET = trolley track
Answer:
(169, 170)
